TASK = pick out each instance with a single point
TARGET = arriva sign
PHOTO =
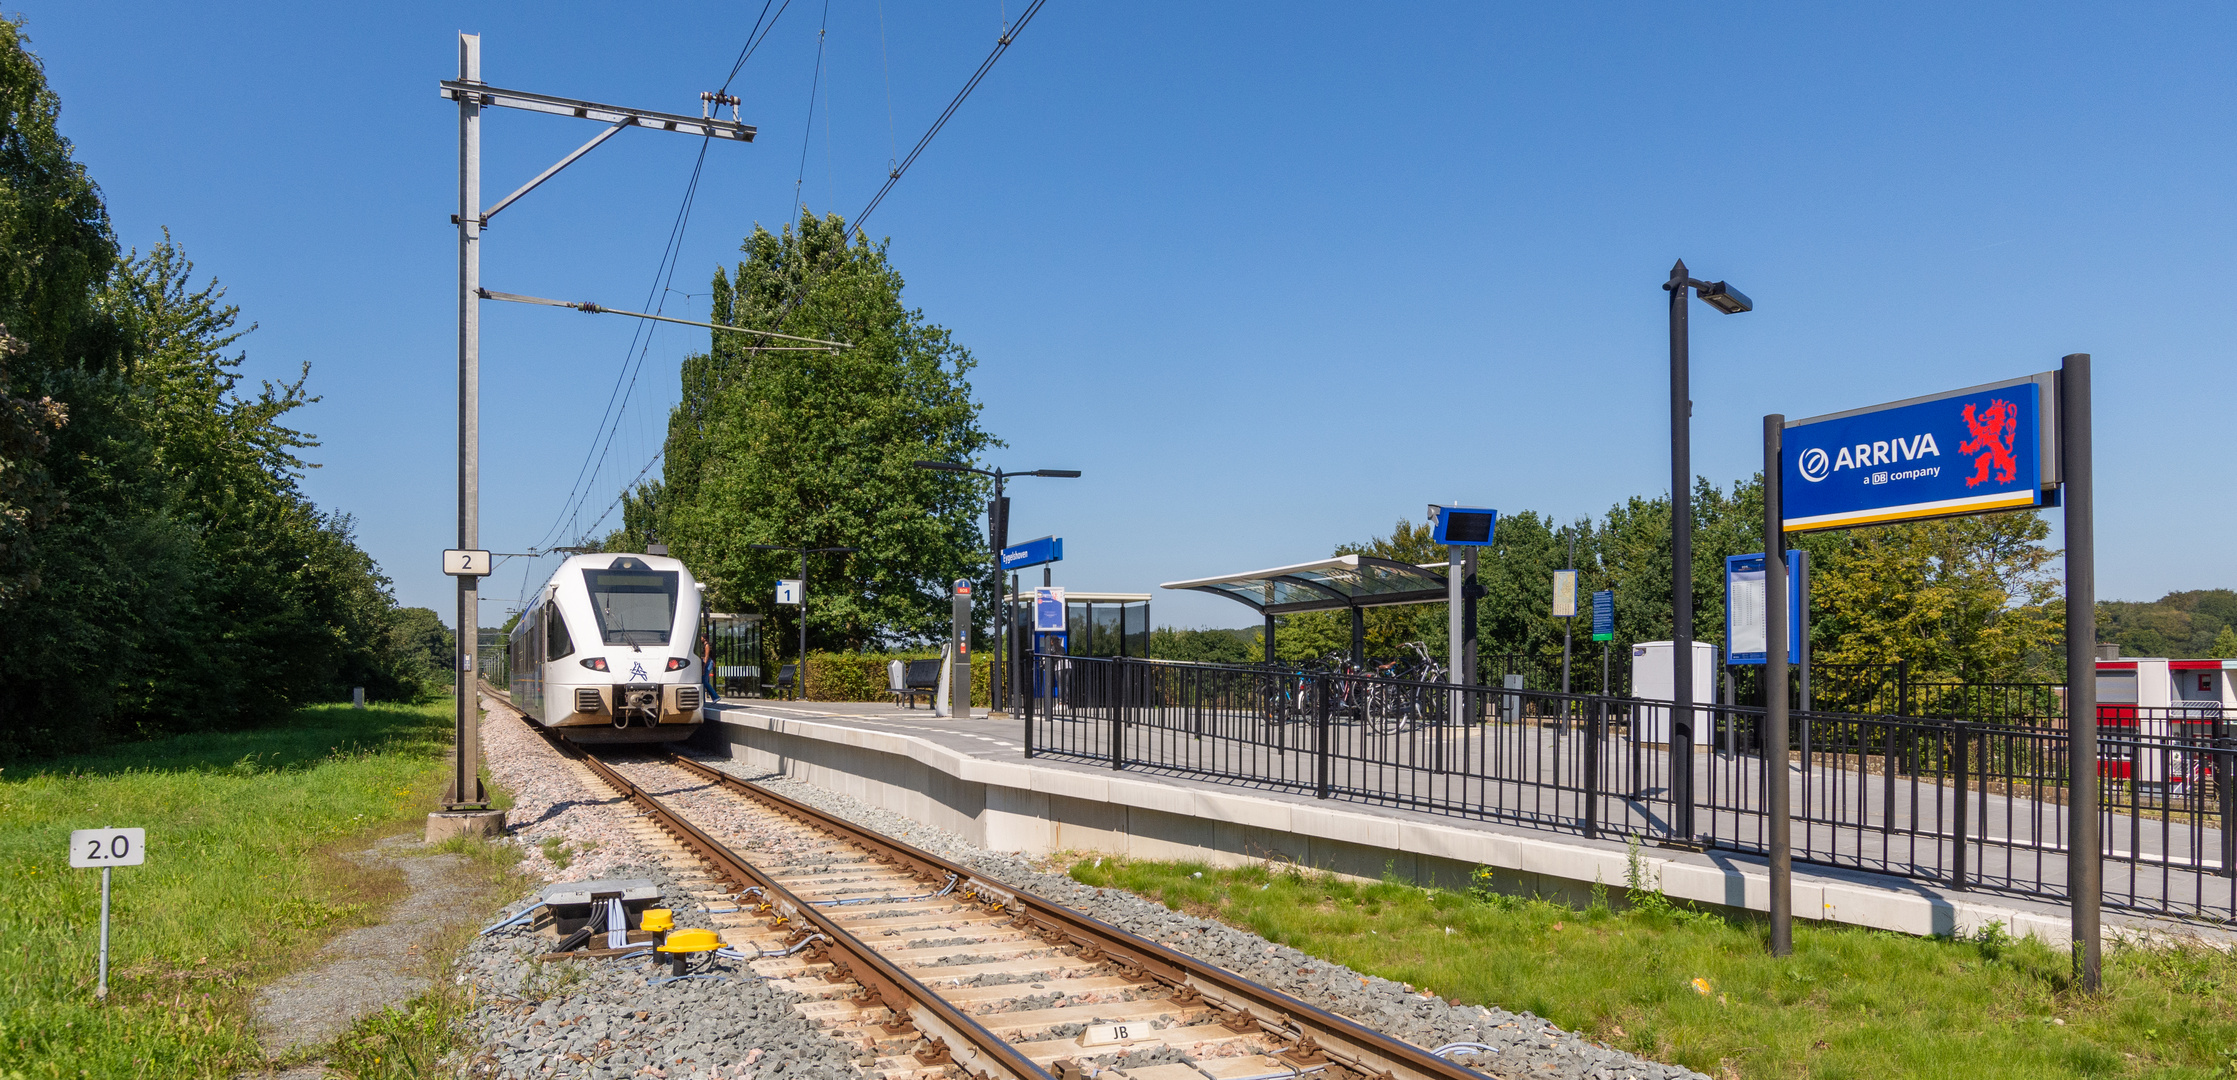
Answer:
(1964, 452)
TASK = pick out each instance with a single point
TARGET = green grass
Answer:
(1848, 1003)
(242, 881)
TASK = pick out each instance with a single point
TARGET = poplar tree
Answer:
(775, 444)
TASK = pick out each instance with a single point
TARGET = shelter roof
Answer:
(1346, 581)
(1026, 597)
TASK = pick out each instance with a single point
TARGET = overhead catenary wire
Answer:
(625, 380)
(1001, 46)
(641, 337)
(754, 38)
(893, 176)
(807, 130)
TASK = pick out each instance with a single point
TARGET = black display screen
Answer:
(1467, 527)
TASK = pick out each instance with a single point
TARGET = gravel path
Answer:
(550, 801)
(1528, 1046)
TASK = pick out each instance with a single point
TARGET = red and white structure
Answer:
(2159, 699)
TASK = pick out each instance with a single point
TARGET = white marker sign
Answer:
(458, 563)
(108, 847)
(788, 590)
(1106, 1034)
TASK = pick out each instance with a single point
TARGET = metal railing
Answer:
(1956, 802)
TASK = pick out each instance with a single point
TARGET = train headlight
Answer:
(678, 663)
(595, 663)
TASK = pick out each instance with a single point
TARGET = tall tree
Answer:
(775, 444)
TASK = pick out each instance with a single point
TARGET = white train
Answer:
(608, 651)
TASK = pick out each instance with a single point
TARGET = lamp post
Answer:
(1730, 301)
(998, 537)
(800, 678)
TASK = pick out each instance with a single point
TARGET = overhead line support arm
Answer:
(599, 309)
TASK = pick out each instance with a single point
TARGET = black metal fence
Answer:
(1957, 802)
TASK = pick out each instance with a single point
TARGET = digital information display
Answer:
(1464, 526)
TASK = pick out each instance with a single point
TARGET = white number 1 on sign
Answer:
(107, 848)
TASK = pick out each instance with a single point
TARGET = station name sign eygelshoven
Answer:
(1964, 452)
(1047, 549)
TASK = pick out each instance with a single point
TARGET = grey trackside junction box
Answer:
(570, 902)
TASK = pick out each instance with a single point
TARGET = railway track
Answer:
(928, 967)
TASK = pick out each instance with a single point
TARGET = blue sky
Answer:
(1272, 276)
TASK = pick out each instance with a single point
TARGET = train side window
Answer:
(556, 638)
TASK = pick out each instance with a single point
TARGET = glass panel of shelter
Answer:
(1095, 628)
(736, 655)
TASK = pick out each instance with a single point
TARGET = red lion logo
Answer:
(1993, 434)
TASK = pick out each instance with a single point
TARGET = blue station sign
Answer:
(1047, 549)
(1604, 615)
(1970, 451)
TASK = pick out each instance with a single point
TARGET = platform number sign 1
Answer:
(458, 563)
(107, 848)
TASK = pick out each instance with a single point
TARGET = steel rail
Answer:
(956, 1038)
(1316, 1036)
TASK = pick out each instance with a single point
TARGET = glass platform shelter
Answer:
(1346, 582)
(1096, 624)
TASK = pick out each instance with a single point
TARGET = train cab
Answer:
(608, 651)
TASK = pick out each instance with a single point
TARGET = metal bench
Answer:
(785, 679)
(919, 678)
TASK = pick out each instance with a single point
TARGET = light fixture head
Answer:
(944, 466)
(1071, 474)
(1725, 298)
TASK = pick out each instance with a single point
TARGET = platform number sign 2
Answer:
(466, 563)
(107, 848)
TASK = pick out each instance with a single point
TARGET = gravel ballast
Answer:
(549, 801)
(604, 1019)
(1528, 1046)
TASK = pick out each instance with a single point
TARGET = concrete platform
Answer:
(969, 775)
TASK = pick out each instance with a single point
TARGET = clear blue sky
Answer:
(1273, 276)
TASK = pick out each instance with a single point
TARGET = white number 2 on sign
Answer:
(108, 847)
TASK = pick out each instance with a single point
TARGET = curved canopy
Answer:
(1346, 581)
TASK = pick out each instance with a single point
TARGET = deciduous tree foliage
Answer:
(2182, 624)
(817, 448)
(159, 568)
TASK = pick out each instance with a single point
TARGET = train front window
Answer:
(635, 607)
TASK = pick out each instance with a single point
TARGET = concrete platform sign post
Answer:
(2012, 445)
(107, 849)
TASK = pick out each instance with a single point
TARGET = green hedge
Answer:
(862, 676)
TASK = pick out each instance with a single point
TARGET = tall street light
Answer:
(1730, 301)
(998, 537)
(800, 675)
